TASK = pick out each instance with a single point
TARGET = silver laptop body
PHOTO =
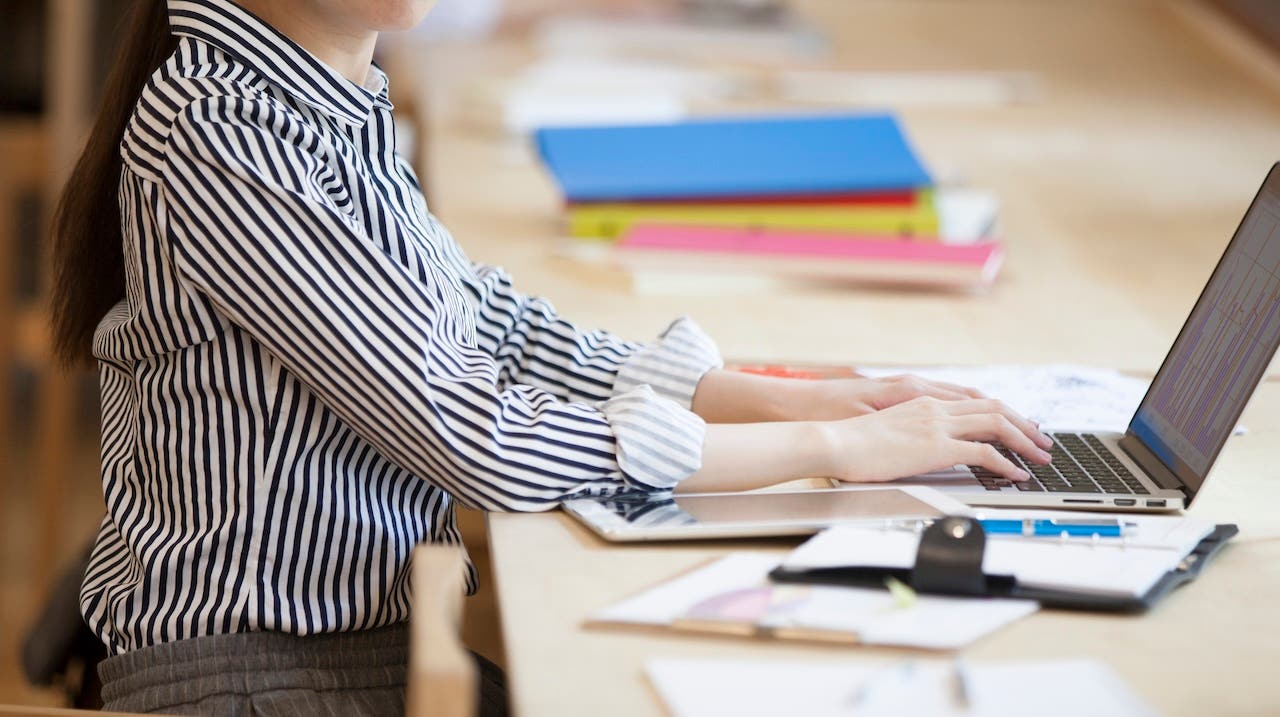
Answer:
(1160, 462)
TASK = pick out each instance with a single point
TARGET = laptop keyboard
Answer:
(1081, 464)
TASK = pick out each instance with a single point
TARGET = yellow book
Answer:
(611, 220)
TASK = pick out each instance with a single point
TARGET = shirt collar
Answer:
(238, 32)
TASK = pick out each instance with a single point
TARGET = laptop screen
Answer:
(1222, 351)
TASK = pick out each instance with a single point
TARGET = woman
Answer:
(301, 372)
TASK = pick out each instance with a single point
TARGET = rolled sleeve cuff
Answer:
(658, 443)
(673, 365)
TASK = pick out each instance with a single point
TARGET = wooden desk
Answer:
(1120, 188)
(1209, 648)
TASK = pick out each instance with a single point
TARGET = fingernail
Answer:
(1025, 475)
(1045, 441)
(1046, 456)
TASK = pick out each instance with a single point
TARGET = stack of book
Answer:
(841, 198)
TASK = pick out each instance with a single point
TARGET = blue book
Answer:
(738, 157)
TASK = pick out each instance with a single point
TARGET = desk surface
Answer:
(1120, 188)
(1209, 648)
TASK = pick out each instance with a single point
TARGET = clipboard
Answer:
(949, 562)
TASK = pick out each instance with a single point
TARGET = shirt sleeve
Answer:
(534, 345)
(252, 230)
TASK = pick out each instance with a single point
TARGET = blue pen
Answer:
(1103, 528)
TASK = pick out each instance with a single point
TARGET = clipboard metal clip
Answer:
(949, 558)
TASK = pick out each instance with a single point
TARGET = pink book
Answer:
(809, 254)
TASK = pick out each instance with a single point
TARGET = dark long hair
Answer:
(88, 260)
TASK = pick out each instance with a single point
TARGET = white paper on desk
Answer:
(966, 216)
(735, 592)
(746, 688)
(526, 109)
(1111, 567)
(1059, 396)
(1178, 533)
(558, 91)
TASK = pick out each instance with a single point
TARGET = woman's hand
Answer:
(725, 396)
(931, 433)
(917, 436)
(845, 398)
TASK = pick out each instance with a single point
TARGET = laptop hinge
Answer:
(1155, 469)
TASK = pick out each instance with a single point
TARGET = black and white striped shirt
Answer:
(307, 371)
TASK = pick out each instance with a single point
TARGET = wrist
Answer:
(725, 396)
(818, 448)
(793, 399)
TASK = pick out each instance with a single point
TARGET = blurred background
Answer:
(481, 75)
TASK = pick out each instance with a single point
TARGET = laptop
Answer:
(1161, 461)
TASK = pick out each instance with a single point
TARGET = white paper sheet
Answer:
(966, 216)
(1050, 688)
(1062, 397)
(1128, 567)
(735, 591)
(1059, 396)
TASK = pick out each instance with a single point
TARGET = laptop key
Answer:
(1127, 477)
(1081, 464)
(1087, 464)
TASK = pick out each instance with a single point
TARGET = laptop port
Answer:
(1126, 502)
(1155, 504)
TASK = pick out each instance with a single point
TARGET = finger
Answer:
(906, 387)
(990, 405)
(934, 391)
(966, 390)
(995, 427)
(986, 456)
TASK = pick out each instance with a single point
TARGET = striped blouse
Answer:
(307, 371)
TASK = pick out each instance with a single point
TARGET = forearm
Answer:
(533, 346)
(754, 455)
(918, 436)
(725, 396)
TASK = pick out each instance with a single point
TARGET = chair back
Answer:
(442, 679)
